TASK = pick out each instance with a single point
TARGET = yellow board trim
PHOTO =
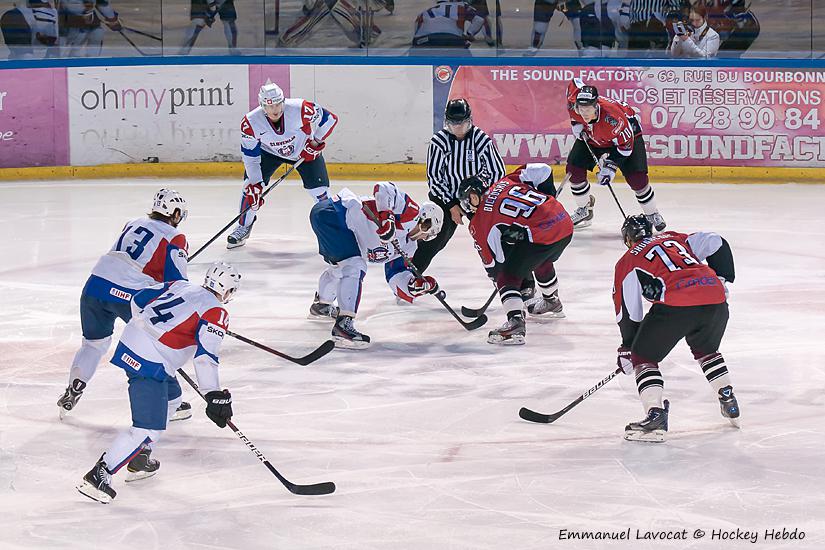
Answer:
(695, 174)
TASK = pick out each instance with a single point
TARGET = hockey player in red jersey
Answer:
(689, 301)
(610, 131)
(518, 231)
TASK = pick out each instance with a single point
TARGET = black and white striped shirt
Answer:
(644, 10)
(450, 161)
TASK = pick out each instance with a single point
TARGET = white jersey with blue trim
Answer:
(172, 324)
(386, 196)
(301, 122)
(42, 21)
(147, 252)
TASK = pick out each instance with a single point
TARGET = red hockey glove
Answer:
(255, 193)
(623, 360)
(312, 150)
(420, 286)
(386, 225)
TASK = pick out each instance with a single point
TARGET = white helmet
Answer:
(536, 173)
(223, 279)
(167, 201)
(430, 217)
(270, 94)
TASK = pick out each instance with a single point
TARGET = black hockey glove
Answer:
(512, 235)
(219, 407)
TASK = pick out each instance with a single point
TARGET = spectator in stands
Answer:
(695, 40)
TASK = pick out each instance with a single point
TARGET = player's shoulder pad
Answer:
(180, 242)
(217, 316)
(246, 127)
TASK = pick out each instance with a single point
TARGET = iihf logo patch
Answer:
(471, 155)
(286, 150)
(443, 73)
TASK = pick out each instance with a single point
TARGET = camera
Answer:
(680, 28)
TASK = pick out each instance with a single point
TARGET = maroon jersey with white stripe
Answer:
(616, 123)
(664, 269)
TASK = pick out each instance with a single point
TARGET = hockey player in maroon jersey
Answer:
(610, 130)
(689, 301)
(518, 231)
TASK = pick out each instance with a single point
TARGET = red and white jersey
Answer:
(616, 124)
(147, 252)
(175, 323)
(509, 202)
(386, 196)
(667, 269)
(301, 122)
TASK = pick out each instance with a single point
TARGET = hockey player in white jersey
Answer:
(172, 324)
(30, 31)
(149, 250)
(349, 238)
(80, 26)
(448, 24)
(281, 131)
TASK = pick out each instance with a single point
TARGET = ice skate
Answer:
(549, 307)
(97, 483)
(71, 396)
(657, 221)
(322, 312)
(729, 405)
(346, 336)
(512, 333)
(652, 429)
(183, 412)
(583, 217)
(142, 466)
(238, 236)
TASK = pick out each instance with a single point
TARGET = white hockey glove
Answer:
(607, 170)
(623, 360)
(578, 131)
(725, 287)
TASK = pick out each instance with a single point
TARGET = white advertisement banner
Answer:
(176, 114)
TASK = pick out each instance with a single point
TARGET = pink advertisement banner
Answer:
(34, 118)
(690, 116)
(261, 74)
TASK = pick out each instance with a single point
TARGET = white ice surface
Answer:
(420, 432)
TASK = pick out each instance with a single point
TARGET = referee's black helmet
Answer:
(457, 111)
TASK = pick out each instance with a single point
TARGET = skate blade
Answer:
(735, 422)
(655, 436)
(89, 490)
(343, 343)
(549, 316)
(137, 476)
(512, 341)
(63, 412)
(230, 246)
(320, 318)
(582, 224)
(181, 415)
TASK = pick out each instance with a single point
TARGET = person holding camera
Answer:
(696, 39)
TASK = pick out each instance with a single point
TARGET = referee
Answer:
(456, 153)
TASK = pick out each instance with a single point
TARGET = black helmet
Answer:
(635, 228)
(588, 95)
(473, 184)
(457, 111)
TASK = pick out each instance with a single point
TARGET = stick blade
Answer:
(325, 488)
(533, 416)
(470, 312)
(319, 352)
(478, 322)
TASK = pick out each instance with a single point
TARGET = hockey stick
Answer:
(440, 295)
(129, 40)
(314, 489)
(269, 188)
(314, 355)
(610, 187)
(141, 33)
(470, 312)
(533, 416)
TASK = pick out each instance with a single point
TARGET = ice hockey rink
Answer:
(421, 432)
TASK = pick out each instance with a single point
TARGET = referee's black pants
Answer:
(427, 250)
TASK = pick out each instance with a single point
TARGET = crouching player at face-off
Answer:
(348, 238)
(171, 324)
(689, 301)
(519, 230)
